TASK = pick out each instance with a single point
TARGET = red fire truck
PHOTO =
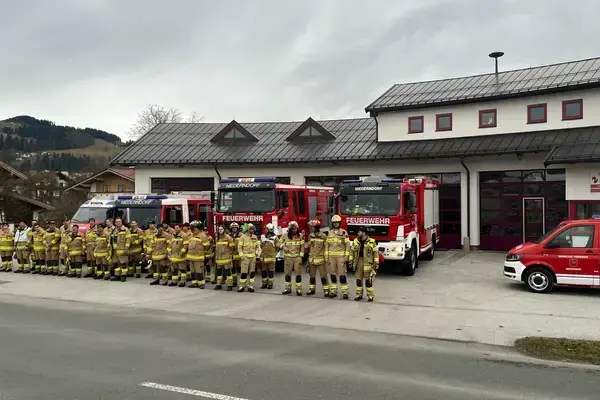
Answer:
(261, 201)
(402, 215)
(175, 208)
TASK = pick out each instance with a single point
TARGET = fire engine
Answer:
(100, 208)
(261, 201)
(402, 215)
(175, 208)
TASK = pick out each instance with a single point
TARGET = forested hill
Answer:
(30, 134)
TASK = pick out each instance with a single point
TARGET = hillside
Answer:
(35, 144)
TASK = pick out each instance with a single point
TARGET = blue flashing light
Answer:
(86, 202)
(246, 180)
(596, 216)
(142, 197)
(352, 181)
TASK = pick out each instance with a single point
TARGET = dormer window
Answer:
(309, 130)
(234, 132)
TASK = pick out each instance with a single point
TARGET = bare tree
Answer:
(156, 114)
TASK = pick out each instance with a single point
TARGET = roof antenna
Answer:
(496, 55)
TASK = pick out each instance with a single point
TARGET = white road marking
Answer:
(191, 392)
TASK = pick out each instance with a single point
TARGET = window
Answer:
(311, 132)
(409, 202)
(577, 237)
(168, 185)
(174, 215)
(106, 188)
(487, 118)
(301, 202)
(443, 122)
(537, 113)
(415, 124)
(234, 134)
(121, 188)
(283, 199)
(572, 109)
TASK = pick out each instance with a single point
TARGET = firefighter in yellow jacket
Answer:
(197, 249)
(23, 244)
(224, 246)
(52, 241)
(7, 240)
(316, 259)
(75, 244)
(90, 245)
(365, 260)
(64, 231)
(292, 243)
(120, 249)
(39, 248)
(337, 249)
(234, 230)
(149, 236)
(102, 252)
(269, 243)
(249, 250)
(160, 261)
(135, 239)
(177, 255)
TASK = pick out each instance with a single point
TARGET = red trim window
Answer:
(488, 118)
(537, 113)
(415, 124)
(572, 109)
(443, 122)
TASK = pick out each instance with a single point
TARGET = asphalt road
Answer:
(58, 350)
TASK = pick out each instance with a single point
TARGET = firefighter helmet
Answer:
(250, 226)
(293, 224)
(316, 223)
(270, 227)
(336, 218)
(234, 225)
(196, 224)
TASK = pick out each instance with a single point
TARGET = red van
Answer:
(567, 255)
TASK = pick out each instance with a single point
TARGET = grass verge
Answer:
(586, 351)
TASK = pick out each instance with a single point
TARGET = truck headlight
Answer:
(514, 257)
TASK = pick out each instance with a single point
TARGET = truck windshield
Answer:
(100, 214)
(370, 204)
(142, 215)
(246, 200)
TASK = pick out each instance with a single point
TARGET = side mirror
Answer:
(552, 246)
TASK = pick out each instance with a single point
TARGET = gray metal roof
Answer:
(507, 84)
(586, 149)
(355, 140)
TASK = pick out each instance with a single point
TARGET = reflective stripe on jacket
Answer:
(294, 245)
(316, 249)
(337, 244)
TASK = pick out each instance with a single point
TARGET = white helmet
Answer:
(250, 226)
(293, 224)
(270, 227)
(234, 225)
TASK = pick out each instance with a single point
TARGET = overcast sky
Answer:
(97, 63)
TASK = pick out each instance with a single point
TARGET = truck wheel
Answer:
(409, 266)
(539, 280)
(431, 253)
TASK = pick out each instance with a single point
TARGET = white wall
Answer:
(297, 173)
(511, 117)
(579, 180)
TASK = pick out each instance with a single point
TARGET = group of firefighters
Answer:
(172, 256)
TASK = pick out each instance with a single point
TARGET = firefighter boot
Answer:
(182, 277)
(370, 290)
(155, 280)
(288, 285)
(298, 285)
(345, 287)
(251, 283)
(325, 285)
(138, 270)
(271, 280)
(165, 279)
(242, 287)
(359, 290)
(312, 285)
(265, 280)
(220, 280)
(174, 280)
(115, 274)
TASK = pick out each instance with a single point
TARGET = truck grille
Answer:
(372, 230)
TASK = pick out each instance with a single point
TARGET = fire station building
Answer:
(516, 152)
